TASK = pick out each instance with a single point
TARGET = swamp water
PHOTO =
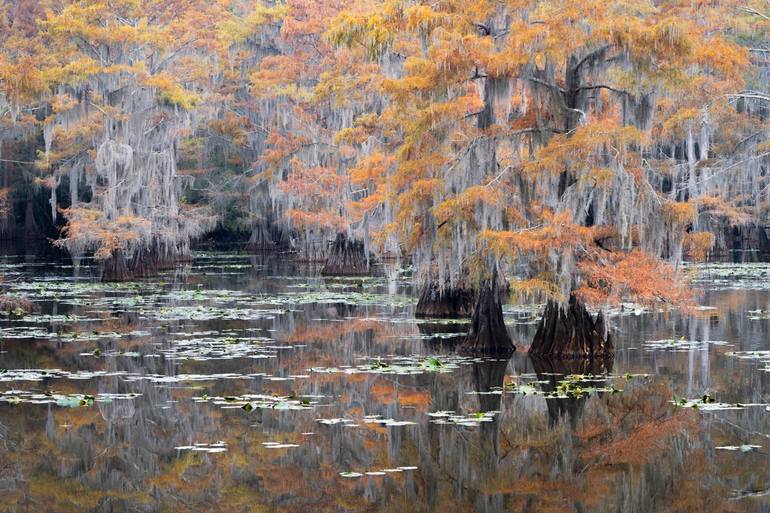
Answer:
(241, 383)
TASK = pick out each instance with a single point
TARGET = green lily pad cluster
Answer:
(732, 276)
(207, 313)
(760, 356)
(403, 365)
(203, 348)
(252, 402)
(335, 421)
(570, 387)
(741, 448)
(709, 403)
(278, 445)
(681, 344)
(10, 375)
(377, 419)
(63, 400)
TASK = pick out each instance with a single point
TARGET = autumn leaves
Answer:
(558, 141)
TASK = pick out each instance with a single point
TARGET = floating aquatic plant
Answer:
(350, 474)
(202, 447)
(402, 365)
(467, 420)
(709, 403)
(251, 402)
(377, 419)
(741, 448)
(277, 445)
(64, 400)
(681, 344)
(571, 386)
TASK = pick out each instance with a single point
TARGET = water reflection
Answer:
(502, 450)
(551, 373)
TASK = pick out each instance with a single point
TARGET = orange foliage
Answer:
(698, 244)
(680, 213)
(89, 229)
(424, 120)
(611, 278)
(578, 152)
(556, 231)
(461, 207)
(717, 206)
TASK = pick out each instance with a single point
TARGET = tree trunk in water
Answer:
(347, 258)
(447, 303)
(488, 334)
(31, 227)
(141, 265)
(116, 268)
(571, 332)
(260, 239)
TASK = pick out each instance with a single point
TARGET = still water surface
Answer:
(242, 383)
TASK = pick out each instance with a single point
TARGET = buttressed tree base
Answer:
(571, 332)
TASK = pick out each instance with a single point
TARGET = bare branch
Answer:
(755, 12)
(602, 86)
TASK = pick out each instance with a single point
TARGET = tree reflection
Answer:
(596, 452)
(550, 372)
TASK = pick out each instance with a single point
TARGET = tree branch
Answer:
(756, 95)
(751, 10)
(602, 86)
(590, 56)
(20, 162)
(544, 83)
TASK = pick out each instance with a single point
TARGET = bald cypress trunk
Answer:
(451, 302)
(261, 238)
(142, 264)
(347, 257)
(488, 334)
(116, 268)
(571, 332)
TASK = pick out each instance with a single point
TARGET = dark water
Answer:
(313, 395)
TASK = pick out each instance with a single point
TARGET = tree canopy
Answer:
(570, 148)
